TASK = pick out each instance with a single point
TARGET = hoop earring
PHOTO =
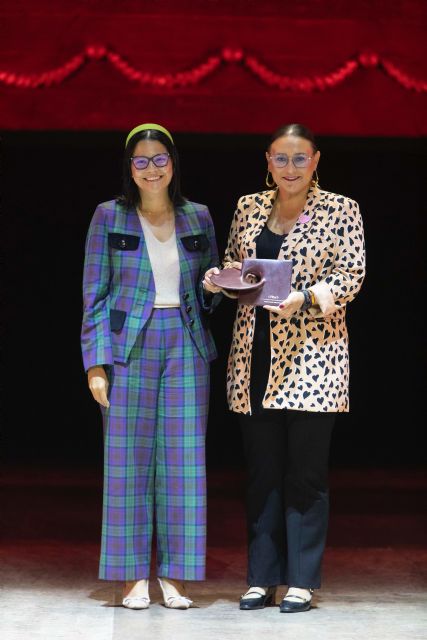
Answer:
(315, 179)
(269, 184)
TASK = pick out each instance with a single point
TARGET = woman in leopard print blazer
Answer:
(288, 367)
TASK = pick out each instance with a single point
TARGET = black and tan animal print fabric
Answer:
(309, 352)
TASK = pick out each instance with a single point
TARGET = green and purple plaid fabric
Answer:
(154, 465)
(118, 280)
(158, 364)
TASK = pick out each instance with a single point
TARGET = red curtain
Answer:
(215, 65)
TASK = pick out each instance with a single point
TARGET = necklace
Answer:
(285, 224)
(161, 225)
(167, 212)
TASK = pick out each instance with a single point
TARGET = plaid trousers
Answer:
(154, 458)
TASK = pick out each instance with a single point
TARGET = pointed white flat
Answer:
(174, 602)
(136, 602)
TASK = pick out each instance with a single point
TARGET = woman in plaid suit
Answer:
(146, 349)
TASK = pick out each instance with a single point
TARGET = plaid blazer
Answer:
(118, 283)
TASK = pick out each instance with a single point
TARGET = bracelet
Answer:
(312, 296)
(307, 300)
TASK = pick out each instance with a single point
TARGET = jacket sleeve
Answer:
(348, 271)
(209, 301)
(96, 336)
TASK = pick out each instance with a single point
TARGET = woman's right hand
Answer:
(209, 286)
(98, 384)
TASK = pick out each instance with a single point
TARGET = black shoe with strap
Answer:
(297, 604)
(258, 598)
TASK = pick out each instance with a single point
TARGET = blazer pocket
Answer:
(117, 319)
(195, 243)
(123, 242)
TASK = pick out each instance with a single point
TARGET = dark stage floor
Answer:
(374, 571)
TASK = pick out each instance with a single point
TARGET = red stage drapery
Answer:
(215, 66)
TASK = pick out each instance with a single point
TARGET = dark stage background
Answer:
(53, 181)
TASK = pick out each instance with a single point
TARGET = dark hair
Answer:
(298, 130)
(130, 197)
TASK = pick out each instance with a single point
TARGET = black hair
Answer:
(298, 130)
(130, 197)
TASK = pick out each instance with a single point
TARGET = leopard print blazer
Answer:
(309, 352)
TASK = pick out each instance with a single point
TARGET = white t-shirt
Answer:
(164, 260)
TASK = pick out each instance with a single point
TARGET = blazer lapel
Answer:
(186, 224)
(145, 274)
(263, 204)
(186, 221)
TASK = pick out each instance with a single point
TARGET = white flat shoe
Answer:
(174, 602)
(136, 602)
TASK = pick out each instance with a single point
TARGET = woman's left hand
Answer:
(288, 307)
(208, 285)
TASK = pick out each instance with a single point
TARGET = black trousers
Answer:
(287, 456)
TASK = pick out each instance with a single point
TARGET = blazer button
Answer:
(190, 323)
(188, 309)
(186, 296)
(122, 242)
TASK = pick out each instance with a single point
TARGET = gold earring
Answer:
(269, 184)
(315, 179)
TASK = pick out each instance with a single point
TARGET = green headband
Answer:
(146, 127)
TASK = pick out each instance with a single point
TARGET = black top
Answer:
(268, 244)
